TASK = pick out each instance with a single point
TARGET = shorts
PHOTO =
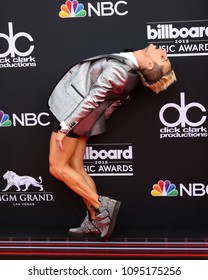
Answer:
(56, 127)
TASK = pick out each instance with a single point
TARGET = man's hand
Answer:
(59, 139)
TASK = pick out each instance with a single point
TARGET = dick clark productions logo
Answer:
(13, 57)
(183, 126)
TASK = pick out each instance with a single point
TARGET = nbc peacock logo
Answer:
(164, 188)
(72, 9)
(4, 120)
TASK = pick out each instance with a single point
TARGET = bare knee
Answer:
(55, 170)
(61, 171)
(77, 167)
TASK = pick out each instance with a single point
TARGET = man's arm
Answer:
(112, 79)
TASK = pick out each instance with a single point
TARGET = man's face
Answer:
(159, 56)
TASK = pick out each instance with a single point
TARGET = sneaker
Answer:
(106, 219)
(86, 229)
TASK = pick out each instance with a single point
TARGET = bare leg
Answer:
(64, 165)
(76, 163)
(67, 166)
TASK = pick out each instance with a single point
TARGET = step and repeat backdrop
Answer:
(153, 156)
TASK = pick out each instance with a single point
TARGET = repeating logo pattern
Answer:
(164, 188)
(71, 9)
(4, 120)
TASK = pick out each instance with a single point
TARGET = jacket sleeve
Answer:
(113, 78)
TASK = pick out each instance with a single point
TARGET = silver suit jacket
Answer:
(91, 91)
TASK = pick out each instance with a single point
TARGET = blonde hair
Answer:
(162, 83)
